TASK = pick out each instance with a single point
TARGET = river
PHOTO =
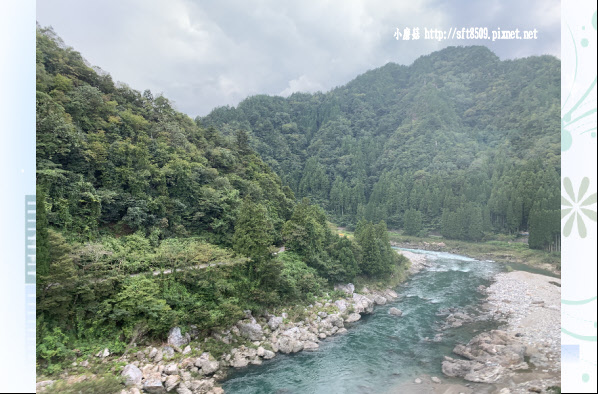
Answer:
(381, 352)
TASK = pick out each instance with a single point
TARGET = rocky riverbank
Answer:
(182, 366)
(524, 356)
(418, 261)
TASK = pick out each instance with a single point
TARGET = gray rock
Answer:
(322, 314)
(176, 339)
(172, 382)
(310, 346)
(379, 300)
(289, 345)
(417, 381)
(395, 312)
(171, 369)
(202, 386)
(268, 354)
(182, 389)
(434, 379)
(341, 330)
(132, 375)
(207, 363)
(187, 349)
(251, 331)
(335, 320)
(353, 317)
(341, 305)
(362, 303)
(103, 354)
(239, 361)
(153, 353)
(167, 352)
(153, 383)
(274, 322)
(260, 351)
(349, 288)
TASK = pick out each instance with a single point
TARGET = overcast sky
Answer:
(204, 54)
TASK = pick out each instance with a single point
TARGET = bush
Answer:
(53, 349)
(297, 280)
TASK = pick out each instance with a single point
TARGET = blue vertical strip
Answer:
(30, 268)
(570, 354)
(30, 244)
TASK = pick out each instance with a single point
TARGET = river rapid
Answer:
(381, 352)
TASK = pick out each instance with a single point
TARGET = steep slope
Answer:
(145, 220)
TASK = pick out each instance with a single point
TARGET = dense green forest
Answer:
(459, 143)
(147, 219)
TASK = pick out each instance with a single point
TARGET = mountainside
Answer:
(459, 142)
(146, 220)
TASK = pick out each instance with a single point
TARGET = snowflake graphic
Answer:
(577, 207)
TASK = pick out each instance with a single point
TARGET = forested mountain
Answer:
(146, 219)
(459, 142)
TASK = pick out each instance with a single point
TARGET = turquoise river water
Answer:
(380, 352)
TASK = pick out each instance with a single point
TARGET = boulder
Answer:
(167, 352)
(202, 386)
(417, 381)
(153, 383)
(362, 304)
(132, 375)
(353, 317)
(274, 322)
(182, 389)
(456, 368)
(157, 356)
(288, 344)
(239, 361)
(207, 363)
(268, 354)
(434, 379)
(172, 382)
(251, 331)
(395, 312)
(348, 289)
(310, 346)
(335, 320)
(176, 339)
(171, 369)
(187, 349)
(341, 305)
(379, 300)
(103, 354)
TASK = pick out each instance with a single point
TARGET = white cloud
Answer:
(301, 84)
(206, 54)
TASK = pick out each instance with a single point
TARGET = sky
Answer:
(206, 54)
